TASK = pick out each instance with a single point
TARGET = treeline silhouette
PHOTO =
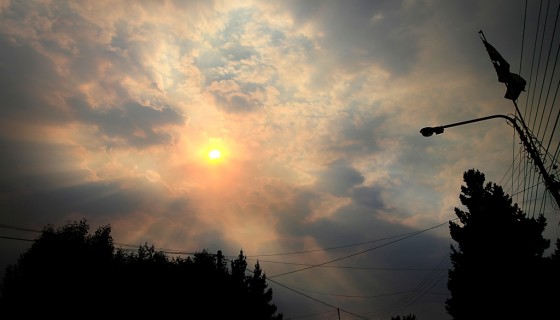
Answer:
(499, 271)
(68, 273)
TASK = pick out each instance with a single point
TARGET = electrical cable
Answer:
(344, 267)
(523, 37)
(360, 252)
(546, 69)
(310, 297)
(424, 285)
(331, 248)
(528, 121)
(532, 62)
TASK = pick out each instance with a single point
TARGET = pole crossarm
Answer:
(551, 184)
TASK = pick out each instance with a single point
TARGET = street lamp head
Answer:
(429, 131)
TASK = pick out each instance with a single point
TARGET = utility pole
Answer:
(515, 84)
(337, 309)
(550, 182)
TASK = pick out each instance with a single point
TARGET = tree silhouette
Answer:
(69, 273)
(498, 268)
(66, 263)
(262, 296)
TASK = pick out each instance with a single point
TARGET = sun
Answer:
(214, 154)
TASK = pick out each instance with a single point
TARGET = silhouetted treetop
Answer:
(69, 273)
(498, 267)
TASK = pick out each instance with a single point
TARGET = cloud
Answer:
(131, 125)
(28, 85)
(232, 98)
(338, 178)
(368, 196)
(355, 34)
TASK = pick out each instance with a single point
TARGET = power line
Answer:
(354, 296)
(538, 68)
(6, 226)
(345, 267)
(310, 297)
(360, 252)
(533, 60)
(424, 286)
(523, 37)
(546, 69)
(14, 238)
(332, 248)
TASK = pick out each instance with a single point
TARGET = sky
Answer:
(110, 109)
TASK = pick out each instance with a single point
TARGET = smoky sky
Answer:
(109, 109)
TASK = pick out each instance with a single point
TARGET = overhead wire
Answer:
(353, 296)
(546, 69)
(16, 238)
(310, 297)
(538, 112)
(533, 61)
(344, 267)
(528, 121)
(331, 248)
(523, 37)
(421, 288)
(529, 107)
(535, 176)
(359, 252)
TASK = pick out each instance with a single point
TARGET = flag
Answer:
(515, 83)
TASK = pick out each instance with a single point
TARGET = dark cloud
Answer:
(27, 167)
(292, 213)
(354, 224)
(45, 180)
(356, 32)
(350, 224)
(368, 196)
(28, 84)
(355, 133)
(338, 178)
(143, 205)
(131, 125)
(102, 200)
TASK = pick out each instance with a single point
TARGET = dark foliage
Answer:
(68, 273)
(499, 271)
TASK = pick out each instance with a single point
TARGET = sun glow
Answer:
(214, 154)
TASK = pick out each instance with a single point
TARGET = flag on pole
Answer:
(515, 83)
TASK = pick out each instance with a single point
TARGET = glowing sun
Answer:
(214, 154)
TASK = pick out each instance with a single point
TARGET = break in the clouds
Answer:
(109, 109)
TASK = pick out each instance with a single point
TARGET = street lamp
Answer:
(429, 131)
(550, 182)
